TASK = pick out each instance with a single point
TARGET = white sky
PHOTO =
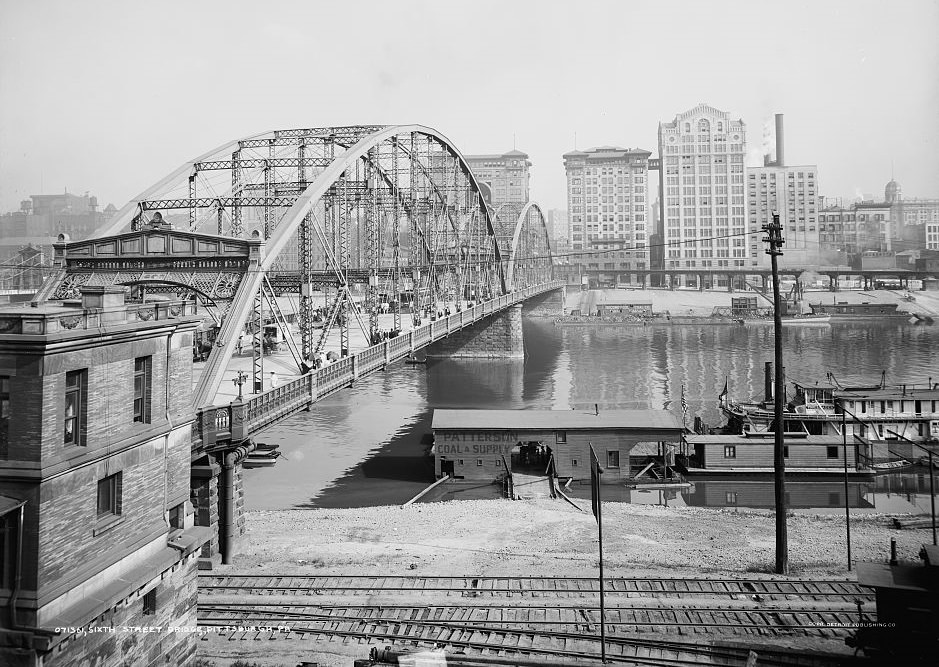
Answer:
(109, 96)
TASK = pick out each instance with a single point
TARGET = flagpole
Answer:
(602, 607)
(595, 472)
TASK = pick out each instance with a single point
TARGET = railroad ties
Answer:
(648, 621)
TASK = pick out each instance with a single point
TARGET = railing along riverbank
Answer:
(242, 418)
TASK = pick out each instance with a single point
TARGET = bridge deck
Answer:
(239, 420)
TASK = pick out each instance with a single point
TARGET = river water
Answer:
(368, 445)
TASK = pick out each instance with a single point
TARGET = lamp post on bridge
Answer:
(239, 381)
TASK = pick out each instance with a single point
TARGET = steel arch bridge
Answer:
(372, 216)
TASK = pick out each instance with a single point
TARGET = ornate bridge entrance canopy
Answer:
(211, 266)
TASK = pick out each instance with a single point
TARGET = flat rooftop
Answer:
(890, 394)
(541, 420)
(731, 439)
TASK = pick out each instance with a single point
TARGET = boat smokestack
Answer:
(780, 151)
(768, 381)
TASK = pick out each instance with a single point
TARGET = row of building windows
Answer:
(831, 451)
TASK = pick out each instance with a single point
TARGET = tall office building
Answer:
(608, 208)
(792, 192)
(504, 178)
(704, 222)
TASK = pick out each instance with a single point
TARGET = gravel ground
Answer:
(537, 538)
(548, 537)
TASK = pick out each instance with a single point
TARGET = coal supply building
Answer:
(483, 444)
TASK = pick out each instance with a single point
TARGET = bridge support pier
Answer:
(549, 304)
(204, 487)
(497, 337)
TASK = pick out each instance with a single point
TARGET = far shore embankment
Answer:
(689, 306)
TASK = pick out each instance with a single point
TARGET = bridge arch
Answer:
(530, 256)
(365, 216)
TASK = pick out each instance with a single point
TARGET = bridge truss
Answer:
(352, 221)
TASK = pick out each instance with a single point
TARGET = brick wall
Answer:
(74, 543)
(37, 392)
(176, 594)
(496, 337)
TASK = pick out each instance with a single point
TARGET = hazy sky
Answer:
(109, 96)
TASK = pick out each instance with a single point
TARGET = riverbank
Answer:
(548, 537)
(682, 303)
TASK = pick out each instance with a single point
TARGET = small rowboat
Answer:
(261, 459)
(891, 466)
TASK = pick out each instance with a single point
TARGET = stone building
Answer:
(504, 178)
(703, 153)
(608, 210)
(98, 547)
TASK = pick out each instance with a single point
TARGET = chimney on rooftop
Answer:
(780, 156)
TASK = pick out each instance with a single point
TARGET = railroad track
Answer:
(536, 617)
(564, 632)
(468, 586)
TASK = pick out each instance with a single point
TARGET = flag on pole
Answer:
(684, 401)
(595, 472)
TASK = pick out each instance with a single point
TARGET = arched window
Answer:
(720, 126)
(703, 125)
(687, 127)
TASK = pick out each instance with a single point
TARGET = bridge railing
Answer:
(240, 419)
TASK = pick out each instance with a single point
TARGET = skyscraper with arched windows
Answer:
(704, 224)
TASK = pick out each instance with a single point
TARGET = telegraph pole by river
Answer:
(775, 240)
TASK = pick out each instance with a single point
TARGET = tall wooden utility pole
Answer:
(775, 240)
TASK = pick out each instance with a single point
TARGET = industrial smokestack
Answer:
(780, 156)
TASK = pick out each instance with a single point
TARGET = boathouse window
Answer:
(573, 463)
(498, 463)
(890, 405)
(560, 436)
(612, 459)
(831, 451)
(149, 602)
(76, 392)
(730, 452)
(109, 495)
(461, 461)
(730, 498)
(142, 389)
(4, 413)
(883, 407)
(479, 462)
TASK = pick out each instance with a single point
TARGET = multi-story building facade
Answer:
(608, 209)
(912, 218)
(35, 226)
(504, 178)
(792, 193)
(97, 532)
(558, 225)
(932, 236)
(704, 224)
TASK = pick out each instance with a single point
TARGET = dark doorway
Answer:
(531, 458)
(446, 467)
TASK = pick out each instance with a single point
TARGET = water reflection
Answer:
(367, 445)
